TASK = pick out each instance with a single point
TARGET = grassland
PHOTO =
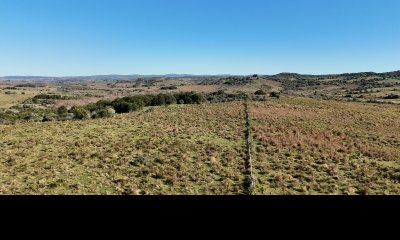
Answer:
(195, 149)
(360, 87)
(301, 146)
(324, 135)
(9, 98)
(307, 146)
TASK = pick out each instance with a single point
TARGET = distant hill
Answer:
(395, 74)
(99, 77)
(353, 75)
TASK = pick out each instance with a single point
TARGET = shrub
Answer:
(45, 99)
(31, 116)
(103, 103)
(275, 94)
(47, 96)
(158, 100)
(189, 98)
(392, 96)
(62, 111)
(198, 98)
(103, 113)
(27, 85)
(122, 107)
(10, 88)
(170, 99)
(169, 88)
(80, 113)
(260, 92)
(183, 98)
(50, 117)
(92, 107)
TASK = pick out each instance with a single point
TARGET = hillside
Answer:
(300, 146)
(174, 150)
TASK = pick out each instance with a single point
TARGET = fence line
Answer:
(249, 160)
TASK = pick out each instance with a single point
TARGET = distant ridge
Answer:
(136, 76)
(100, 77)
(356, 75)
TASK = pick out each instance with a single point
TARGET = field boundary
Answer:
(249, 160)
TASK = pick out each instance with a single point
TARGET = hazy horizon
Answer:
(188, 74)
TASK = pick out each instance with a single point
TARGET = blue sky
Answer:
(88, 37)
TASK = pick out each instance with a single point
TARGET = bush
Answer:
(392, 96)
(158, 100)
(101, 109)
(221, 96)
(31, 117)
(47, 96)
(122, 107)
(103, 113)
(10, 88)
(198, 98)
(275, 94)
(45, 99)
(62, 111)
(260, 92)
(169, 88)
(80, 113)
(28, 85)
(170, 99)
(189, 98)
(103, 103)
(50, 117)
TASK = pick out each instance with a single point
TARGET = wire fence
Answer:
(250, 180)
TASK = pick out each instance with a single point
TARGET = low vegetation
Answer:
(101, 109)
(169, 88)
(331, 134)
(180, 149)
(307, 146)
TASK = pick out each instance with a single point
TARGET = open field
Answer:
(13, 97)
(163, 150)
(358, 87)
(334, 134)
(301, 146)
(307, 146)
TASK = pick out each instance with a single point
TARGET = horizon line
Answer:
(189, 74)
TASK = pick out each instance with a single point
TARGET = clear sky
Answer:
(90, 37)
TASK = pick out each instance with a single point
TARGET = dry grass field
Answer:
(306, 146)
(194, 149)
(9, 98)
(301, 145)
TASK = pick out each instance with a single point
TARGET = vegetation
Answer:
(309, 134)
(169, 88)
(159, 152)
(275, 94)
(101, 109)
(46, 99)
(260, 92)
(222, 96)
(306, 146)
(392, 96)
